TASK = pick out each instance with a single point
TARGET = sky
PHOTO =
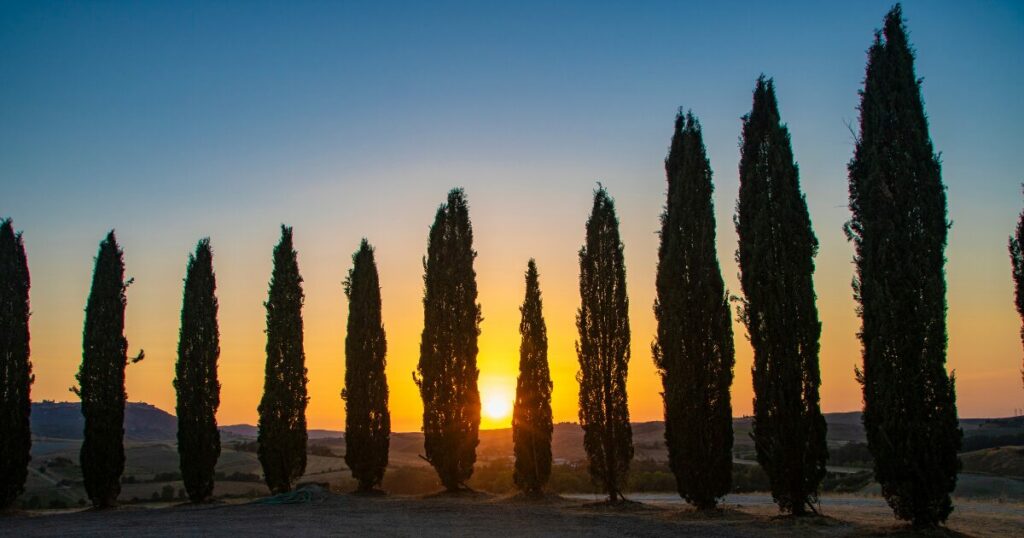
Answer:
(173, 121)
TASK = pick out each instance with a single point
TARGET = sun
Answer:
(497, 405)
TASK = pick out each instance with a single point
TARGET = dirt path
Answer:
(348, 515)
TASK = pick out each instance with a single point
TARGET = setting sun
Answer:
(497, 406)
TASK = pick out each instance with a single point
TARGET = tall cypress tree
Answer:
(282, 426)
(899, 230)
(367, 420)
(15, 366)
(776, 259)
(448, 347)
(694, 347)
(195, 380)
(101, 377)
(1017, 261)
(531, 417)
(603, 350)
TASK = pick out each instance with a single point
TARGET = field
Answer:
(994, 473)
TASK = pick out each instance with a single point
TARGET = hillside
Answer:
(151, 471)
(998, 461)
(63, 420)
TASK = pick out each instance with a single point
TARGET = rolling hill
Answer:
(63, 420)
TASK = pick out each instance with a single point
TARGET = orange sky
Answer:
(984, 345)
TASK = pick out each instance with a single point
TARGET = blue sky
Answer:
(175, 120)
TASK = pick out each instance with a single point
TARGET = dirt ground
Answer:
(348, 515)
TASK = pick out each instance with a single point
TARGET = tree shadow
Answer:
(460, 494)
(542, 499)
(619, 506)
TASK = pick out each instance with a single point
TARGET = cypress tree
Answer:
(531, 416)
(198, 390)
(603, 350)
(899, 227)
(282, 422)
(15, 367)
(694, 347)
(101, 377)
(367, 420)
(776, 259)
(447, 372)
(1017, 262)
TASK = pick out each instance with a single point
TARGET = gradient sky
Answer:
(173, 121)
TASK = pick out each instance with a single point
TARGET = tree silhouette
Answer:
(282, 425)
(101, 377)
(367, 420)
(196, 383)
(603, 350)
(899, 230)
(1017, 261)
(694, 347)
(531, 417)
(776, 260)
(447, 372)
(15, 366)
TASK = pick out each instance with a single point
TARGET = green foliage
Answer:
(282, 411)
(852, 454)
(495, 476)
(603, 350)
(1017, 261)
(776, 259)
(899, 229)
(321, 450)
(196, 383)
(367, 420)
(101, 377)
(531, 416)
(694, 347)
(15, 366)
(447, 372)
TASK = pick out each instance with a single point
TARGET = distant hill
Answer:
(142, 422)
(63, 420)
(250, 431)
(145, 422)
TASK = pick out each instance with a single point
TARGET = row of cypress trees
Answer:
(898, 228)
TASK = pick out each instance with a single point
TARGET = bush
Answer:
(238, 477)
(173, 476)
(846, 482)
(247, 446)
(321, 450)
(749, 478)
(853, 454)
(494, 476)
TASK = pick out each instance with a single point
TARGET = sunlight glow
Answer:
(497, 405)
